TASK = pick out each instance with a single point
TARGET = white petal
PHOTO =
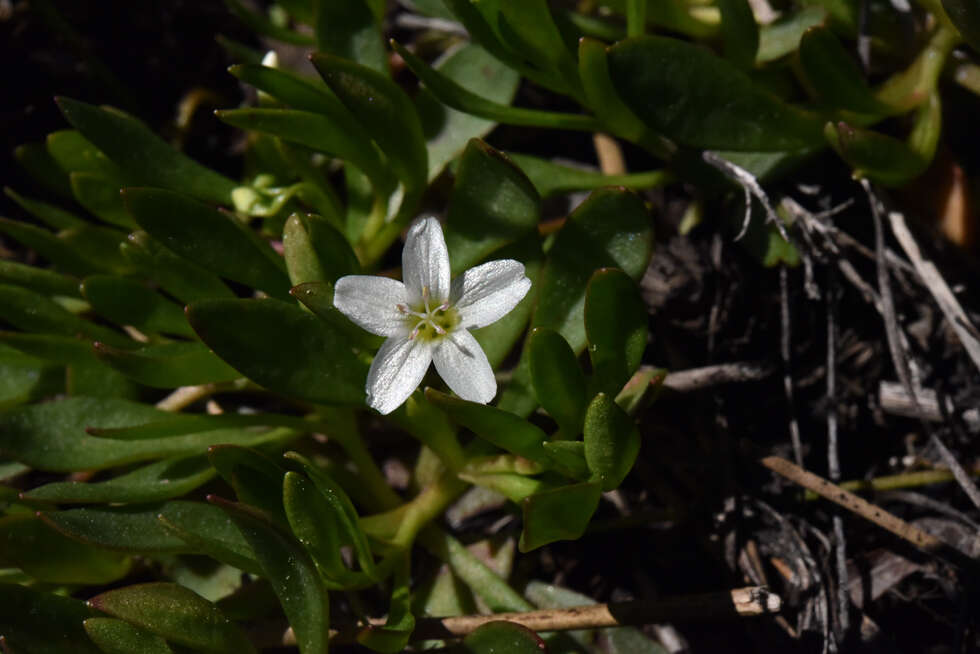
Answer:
(396, 371)
(372, 303)
(425, 261)
(463, 365)
(487, 293)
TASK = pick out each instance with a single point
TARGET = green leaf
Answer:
(134, 529)
(35, 159)
(161, 480)
(612, 442)
(503, 636)
(95, 379)
(551, 178)
(394, 635)
(181, 278)
(557, 379)
(75, 153)
(206, 530)
(128, 302)
(256, 478)
(492, 204)
(336, 133)
(291, 89)
(740, 33)
(49, 246)
(514, 487)
(711, 103)
(22, 377)
(454, 95)
(176, 613)
(348, 30)
(881, 158)
(292, 574)
(782, 37)
(38, 279)
(48, 556)
(43, 622)
(58, 349)
(569, 456)
(32, 312)
(965, 15)
(529, 29)
(142, 154)
(834, 75)
(100, 195)
(447, 130)
(168, 365)
(218, 241)
(559, 514)
(315, 251)
(616, 328)
(120, 637)
(54, 217)
(301, 355)
(502, 428)
(384, 110)
(260, 24)
(99, 246)
(52, 436)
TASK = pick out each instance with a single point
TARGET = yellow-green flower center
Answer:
(429, 322)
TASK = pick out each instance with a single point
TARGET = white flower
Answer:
(427, 318)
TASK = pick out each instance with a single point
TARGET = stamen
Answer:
(439, 329)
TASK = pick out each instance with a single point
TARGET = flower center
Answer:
(428, 321)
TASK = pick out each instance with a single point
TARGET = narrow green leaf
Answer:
(302, 355)
(559, 514)
(256, 478)
(176, 613)
(384, 110)
(569, 456)
(503, 429)
(447, 130)
(612, 442)
(456, 96)
(180, 424)
(713, 104)
(120, 637)
(128, 302)
(290, 88)
(782, 37)
(48, 556)
(503, 636)
(183, 279)
(38, 279)
(740, 32)
(95, 379)
(206, 530)
(32, 312)
(99, 246)
(54, 217)
(35, 159)
(616, 329)
(52, 436)
(318, 298)
(394, 635)
(528, 27)
(42, 622)
(834, 75)
(550, 178)
(100, 195)
(881, 158)
(557, 379)
(58, 349)
(348, 30)
(513, 486)
(292, 574)
(493, 203)
(168, 365)
(315, 251)
(217, 241)
(23, 377)
(161, 480)
(49, 246)
(133, 529)
(75, 153)
(142, 154)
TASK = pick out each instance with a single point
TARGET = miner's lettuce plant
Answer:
(190, 338)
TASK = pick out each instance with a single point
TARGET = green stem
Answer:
(895, 482)
(910, 88)
(343, 428)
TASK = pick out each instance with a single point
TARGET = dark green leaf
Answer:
(740, 32)
(168, 365)
(315, 251)
(128, 302)
(51, 436)
(75, 153)
(33, 312)
(99, 246)
(834, 75)
(100, 195)
(120, 637)
(384, 110)
(38, 279)
(40, 165)
(881, 158)
(292, 574)
(529, 29)
(260, 24)
(155, 482)
(142, 154)
(49, 246)
(493, 203)
(569, 456)
(207, 530)
(616, 329)
(394, 635)
(456, 96)
(183, 279)
(447, 130)
(43, 622)
(22, 377)
(684, 92)
(348, 30)
(782, 37)
(551, 178)
(54, 217)
(612, 442)
(318, 298)
(177, 614)
(503, 636)
(218, 241)
(557, 379)
(48, 556)
(300, 355)
(134, 529)
(256, 478)
(58, 349)
(291, 89)
(559, 514)
(95, 379)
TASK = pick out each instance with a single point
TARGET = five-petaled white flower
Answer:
(427, 318)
